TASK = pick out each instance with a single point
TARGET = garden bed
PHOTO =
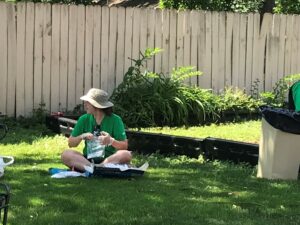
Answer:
(148, 143)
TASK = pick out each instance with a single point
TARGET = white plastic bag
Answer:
(5, 161)
(95, 149)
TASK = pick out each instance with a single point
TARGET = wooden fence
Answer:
(55, 53)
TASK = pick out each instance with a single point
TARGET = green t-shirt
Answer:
(296, 95)
(112, 124)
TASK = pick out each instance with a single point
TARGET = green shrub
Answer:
(214, 5)
(287, 6)
(278, 97)
(147, 99)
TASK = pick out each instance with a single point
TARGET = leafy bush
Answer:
(287, 6)
(242, 6)
(236, 100)
(215, 5)
(279, 95)
(147, 99)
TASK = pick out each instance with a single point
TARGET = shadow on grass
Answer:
(16, 135)
(173, 191)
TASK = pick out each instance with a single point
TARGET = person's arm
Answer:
(106, 139)
(120, 145)
(75, 141)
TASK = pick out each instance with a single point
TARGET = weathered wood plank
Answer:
(249, 54)
(47, 34)
(20, 76)
(165, 40)
(104, 48)
(222, 48)
(38, 55)
(120, 70)
(80, 54)
(242, 53)
(206, 82)
(128, 38)
(201, 47)
(55, 58)
(172, 42)
(111, 81)
(29, 59)
(3, 58)
(194, 44)
(88, 50)
(64, 57)
(187, 43)
(158, 40)
(96, 46)
(72, 58)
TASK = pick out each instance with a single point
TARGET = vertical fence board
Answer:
(172, 40)
(96, 46)
(228, 49)
(221, 55)
(38, 55)
(186, 42)
(55, 58)
(274, 39)
(242, 52)
(29, 42)
(298, 43)
(136, 33)
(104, 47)
(208, 54)
(80, 57)
(249, 53)
(158, 40)
(180, 39)
(268, 61)
(143, 29)
(120, 46)
(47, 34)
(201, 46)
(194, 44)
(11, 64)
(111, 82)
(165, 40)
(256, 52)
(294, 50)
(235, 50)
(64, 58)
(128, 38)
(20, 79)
(215, 51)
(72, 57)
(89, 48)
(265, 30)
(288, 45)
(281, 57)
(150, 35)
(3, 58)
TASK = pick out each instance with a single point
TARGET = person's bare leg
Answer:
(121, 156)
(74, 160)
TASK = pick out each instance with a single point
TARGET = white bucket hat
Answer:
(97, 98)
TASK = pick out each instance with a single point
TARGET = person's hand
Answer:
(86, 136)
(105, 138)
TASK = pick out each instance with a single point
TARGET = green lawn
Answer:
(175, 190)
(243, 131)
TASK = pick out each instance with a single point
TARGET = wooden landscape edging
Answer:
(148, 143)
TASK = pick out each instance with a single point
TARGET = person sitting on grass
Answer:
(101, 123)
